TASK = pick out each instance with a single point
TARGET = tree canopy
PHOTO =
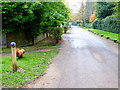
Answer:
(33, 17)
(117, 11)
(104, 9)
(106, 17)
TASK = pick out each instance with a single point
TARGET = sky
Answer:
(74, 4)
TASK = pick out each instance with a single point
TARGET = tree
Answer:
(82, 13)
(33, 17)
(117, 11)
(93, 17)
(89, 9)
(104, 9)
(54, 13)
(21, 16)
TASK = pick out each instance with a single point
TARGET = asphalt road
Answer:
(85, 61)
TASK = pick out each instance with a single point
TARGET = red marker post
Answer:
(13, 50)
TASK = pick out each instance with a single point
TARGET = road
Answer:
(85, 61)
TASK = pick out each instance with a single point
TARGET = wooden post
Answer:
(13, 49)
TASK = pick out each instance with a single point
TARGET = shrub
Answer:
(94, 25)
(65, 29)
(55, 33)
(104, 9)
(88, 25)
(98, 24)
(111, 25)
(108, 24)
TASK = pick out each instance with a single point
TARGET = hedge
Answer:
(55, 33)
(108, 24)
(88, 25)
(65, 29)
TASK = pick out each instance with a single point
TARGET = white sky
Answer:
(74, 4)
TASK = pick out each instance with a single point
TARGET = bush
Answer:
(97, 24)
(111, 25)
(104, 9)
(108, 24)
(65, 29)
(94, 25)
(55, 33)
(88, 25)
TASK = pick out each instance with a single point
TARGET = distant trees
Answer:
(117, 11)
(33, 17)
(104, 9)
(82, 13)
(106, 17)
(89, 10)
(86, 13)
(92, 17)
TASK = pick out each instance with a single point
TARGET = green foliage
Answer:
(111, 25)
(97, 24)
(104, 9)
(108, 24)
(33, 17)
(117, 11)
(88, 25)
(55, 33)
(21, 16)
(65, 29)
(107, 17)
(55, 13)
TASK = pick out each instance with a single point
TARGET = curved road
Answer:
(85, 61)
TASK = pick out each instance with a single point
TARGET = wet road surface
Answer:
(85, 61)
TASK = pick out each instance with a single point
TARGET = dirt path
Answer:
(85, 61)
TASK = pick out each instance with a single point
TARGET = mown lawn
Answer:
(32, 65)
(113, 36)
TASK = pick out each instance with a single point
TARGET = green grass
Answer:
(45, 44)
(34, 65)
(85, 28)
(113, 36)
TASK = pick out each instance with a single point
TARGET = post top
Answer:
(13, 44)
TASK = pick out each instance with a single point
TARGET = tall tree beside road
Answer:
(89, 9)
(117, 11)
(106, 17)
(82, 13)
(104, 9)
(33, 17)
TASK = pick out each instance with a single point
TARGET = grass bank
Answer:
(41, 45)
(112, 36)
(31, 66)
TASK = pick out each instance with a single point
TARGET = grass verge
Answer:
(31, 66)
(45, 44)
(112, 36)
(86, 28)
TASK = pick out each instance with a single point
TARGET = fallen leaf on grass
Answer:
(44, 74)
(21, 69)
(36, 76)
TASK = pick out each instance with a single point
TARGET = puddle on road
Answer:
(75, 43)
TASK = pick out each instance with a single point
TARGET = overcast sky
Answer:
(74, 4)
